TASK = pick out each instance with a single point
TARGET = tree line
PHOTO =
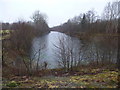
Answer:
(17, 48)
(99, 39)
(97, 34)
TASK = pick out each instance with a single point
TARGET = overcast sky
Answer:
(58, 11)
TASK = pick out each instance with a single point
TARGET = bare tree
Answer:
(39, 56)
(91, 16)
(111, 14)
(68, 53)
(40, 22)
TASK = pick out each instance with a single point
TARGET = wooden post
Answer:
(118, 53)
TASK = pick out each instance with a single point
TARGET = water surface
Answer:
(49, 42)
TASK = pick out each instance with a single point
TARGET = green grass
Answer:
(4, 31)
(5, 34)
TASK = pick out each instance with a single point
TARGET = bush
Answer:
(13, 84)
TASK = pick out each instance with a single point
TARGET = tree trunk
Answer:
(37, 66)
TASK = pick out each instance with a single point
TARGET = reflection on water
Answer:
(94, 51)
(48, 42)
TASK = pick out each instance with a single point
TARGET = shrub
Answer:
(13, 84)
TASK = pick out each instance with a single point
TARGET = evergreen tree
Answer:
(83, 22)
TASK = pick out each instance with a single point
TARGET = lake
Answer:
(45, 48)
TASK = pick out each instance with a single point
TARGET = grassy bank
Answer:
(104, 79)
(5, 34)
